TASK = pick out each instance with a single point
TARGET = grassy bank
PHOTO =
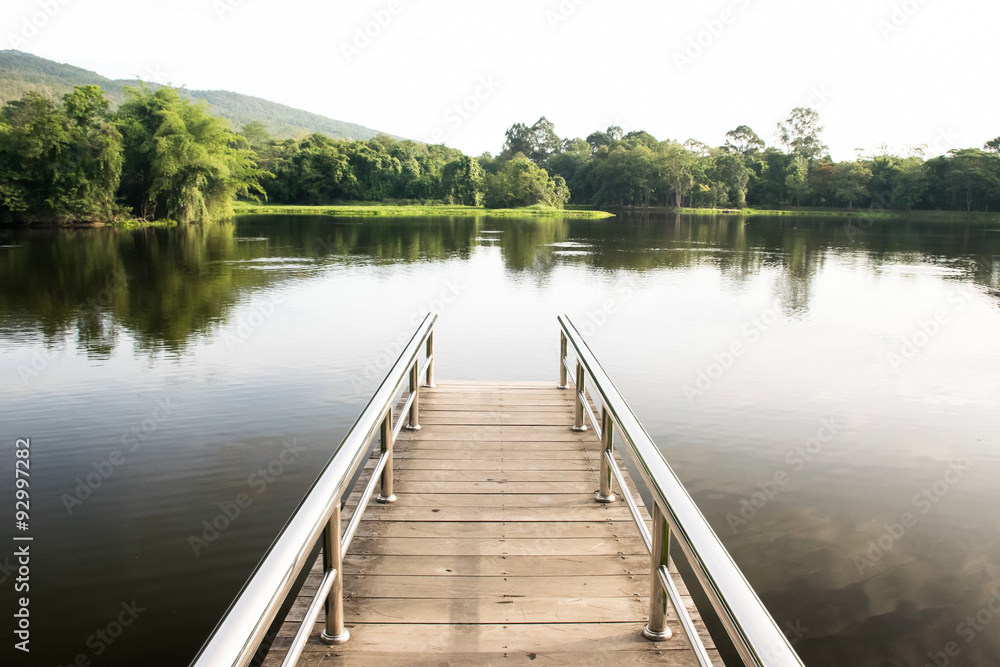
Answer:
(885, 214)
(244, 208)
(120, 223)
(138, 224)
(814, 213)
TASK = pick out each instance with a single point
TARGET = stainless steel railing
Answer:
(237, 637)
(749, 625)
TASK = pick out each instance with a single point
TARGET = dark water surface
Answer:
(848, 454)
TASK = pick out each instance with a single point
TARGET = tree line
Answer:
(160, 156)
(320, 170)
(612, 168)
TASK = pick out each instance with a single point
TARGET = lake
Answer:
(826, 388)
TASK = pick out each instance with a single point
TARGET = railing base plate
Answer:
(332, 641)
(386, 501)
(579, 428)
(657, 636)
(610, 498)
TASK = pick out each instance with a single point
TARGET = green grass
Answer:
(132, 223)
(247, 208)
(884, 214)
(837, 213)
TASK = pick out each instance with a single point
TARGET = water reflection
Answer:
(161, 285)
(153, 313)
(167, 286)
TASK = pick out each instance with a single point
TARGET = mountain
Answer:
(22, 72)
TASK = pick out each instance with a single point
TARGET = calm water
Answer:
(847, 454)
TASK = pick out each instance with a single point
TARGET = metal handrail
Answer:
(237, 637)
(750, 626)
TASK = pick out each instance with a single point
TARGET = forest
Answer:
(162, 156)
(612, 168)
(158, 156)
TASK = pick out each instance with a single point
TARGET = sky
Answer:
(899, 73)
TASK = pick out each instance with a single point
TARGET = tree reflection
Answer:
(169, 286)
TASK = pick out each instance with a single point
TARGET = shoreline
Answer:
(418, 211)
(885, 214)
(572, 213)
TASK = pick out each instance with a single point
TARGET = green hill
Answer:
(22, 72)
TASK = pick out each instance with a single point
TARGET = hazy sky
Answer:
(897, 72)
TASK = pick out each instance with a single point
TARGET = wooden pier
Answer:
(495, 551)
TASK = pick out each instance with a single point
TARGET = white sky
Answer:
(931, 81)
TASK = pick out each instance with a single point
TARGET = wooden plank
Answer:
(326, 656)
(432, 588)
(479, 418)
(425, 475)
(413, 460)
(530, 434)
(496, 566)
(510, 565)
(470, 390)
(504, 409)
(500, 610)
(495, 550)
(501, 384)
(508, 514)
(522, 473)
(553, 637)
(495, 401)
(339, 656)
(472, 448)
(511, 403)
(460, 546)
(499, 566)
(429, 404)
(492, 609)
(492, 390)
(407, 486)
(543, 451)
(512, 395)
(530, 501)
(496, 529)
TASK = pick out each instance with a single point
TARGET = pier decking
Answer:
(495, 550)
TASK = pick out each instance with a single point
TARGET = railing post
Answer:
(414, 424)
(430, 359)
(656, 629)
(333, 559)
(386, 495)
(578, 424)
(606, 495)
(562, 361)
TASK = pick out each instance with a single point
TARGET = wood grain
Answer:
(495, 551)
